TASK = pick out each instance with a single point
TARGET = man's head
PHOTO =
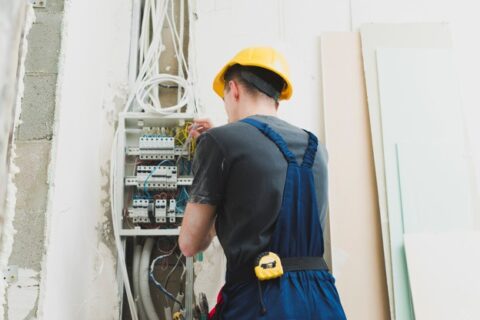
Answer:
(253, 82)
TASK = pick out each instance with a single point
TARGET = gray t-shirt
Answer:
(243, 173)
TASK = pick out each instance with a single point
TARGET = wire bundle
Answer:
(151, 45)
(157, 283)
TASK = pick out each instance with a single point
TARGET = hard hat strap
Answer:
(260, 84)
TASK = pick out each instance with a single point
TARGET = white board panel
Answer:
(443, 270)
(419, 102)
(416, 35)
(435, 190)
(355, 238)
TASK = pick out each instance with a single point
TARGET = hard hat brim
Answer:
(219, 81)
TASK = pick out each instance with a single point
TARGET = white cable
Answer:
(137, 252)
(177, 43)
(146, 87)
(192, 57)
(143, 93)
(168, 313)
(182, 23)
(143, 280)
(116, 223)
(152, 54)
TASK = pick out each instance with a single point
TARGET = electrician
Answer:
(261, 183)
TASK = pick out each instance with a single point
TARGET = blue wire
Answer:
(182, 199)
(158, 284)
(148, 177)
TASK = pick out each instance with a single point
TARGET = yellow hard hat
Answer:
(263, 57)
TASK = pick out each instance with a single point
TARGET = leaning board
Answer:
(355, 232)
(443, 269)
(436, 195)
(419, 102)
(417, 35)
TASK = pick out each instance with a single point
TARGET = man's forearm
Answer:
(198, 228)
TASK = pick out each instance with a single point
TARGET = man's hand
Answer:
(199, 126)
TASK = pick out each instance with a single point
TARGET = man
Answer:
(263, 183)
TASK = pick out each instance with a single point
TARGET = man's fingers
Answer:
(195, 134)
(204, 122)
(199, 126)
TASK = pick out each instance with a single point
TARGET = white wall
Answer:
(79, 269)
(294, 26)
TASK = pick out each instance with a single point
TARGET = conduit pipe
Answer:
(137, 252)
(145, 295)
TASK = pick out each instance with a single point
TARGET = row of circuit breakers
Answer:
(139, 213)
(156, 179)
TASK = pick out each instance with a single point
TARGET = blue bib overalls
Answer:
(302, 295)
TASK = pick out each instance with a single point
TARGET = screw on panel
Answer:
(11, 274)
(39, 3)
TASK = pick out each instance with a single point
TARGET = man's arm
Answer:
(198, 228)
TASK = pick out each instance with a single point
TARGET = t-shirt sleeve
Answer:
(209, 169)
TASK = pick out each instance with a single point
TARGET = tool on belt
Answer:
(268, 266)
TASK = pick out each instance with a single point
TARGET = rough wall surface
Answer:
(33, 139)
(16, 20)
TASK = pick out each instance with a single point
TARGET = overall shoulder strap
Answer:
(311, 151)
(274, 137)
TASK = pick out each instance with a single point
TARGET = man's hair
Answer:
(256, 80)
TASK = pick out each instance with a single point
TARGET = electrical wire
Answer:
(116, 231)
(158, 284)
(144, 94)
(149, 79)
(150, 175)
(179, 259)
(182, 199)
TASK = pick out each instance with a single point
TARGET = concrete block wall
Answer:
(33, 144)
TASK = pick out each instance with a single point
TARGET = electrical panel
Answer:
(152, 180)
(151, 165)
(157, 171)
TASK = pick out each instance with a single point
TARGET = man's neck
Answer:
(248, 110)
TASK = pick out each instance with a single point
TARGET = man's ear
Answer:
(234, 87)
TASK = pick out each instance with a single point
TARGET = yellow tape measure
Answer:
(268, 266)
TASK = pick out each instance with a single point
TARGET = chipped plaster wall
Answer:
(11, 34)
(32, 143)
(16, 20)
